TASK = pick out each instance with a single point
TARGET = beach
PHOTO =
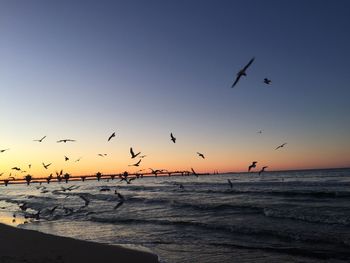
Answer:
(21, 245)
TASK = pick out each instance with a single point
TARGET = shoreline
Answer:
(22, 245)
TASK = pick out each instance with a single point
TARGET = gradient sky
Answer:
(83, 69)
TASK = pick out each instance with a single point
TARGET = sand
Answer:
(27, 246)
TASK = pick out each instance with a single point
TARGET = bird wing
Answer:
(249, 63)
(237, 79)
(138, 162)
(132, 152)
(43, 138)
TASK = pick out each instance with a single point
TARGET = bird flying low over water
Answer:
(281, 146)
(4, 150)
(262, 169)
(242, 72)
(172, 137)
(110, 137)
(136, 164)
(46, 165)
(66, 140)
(253, 165)
(133, 155)
(201, 155)
(194, 172)
(267, 81)
(40, 140)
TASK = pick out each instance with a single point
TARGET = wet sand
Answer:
(20, 245)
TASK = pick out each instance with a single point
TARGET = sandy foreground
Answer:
(20, 245)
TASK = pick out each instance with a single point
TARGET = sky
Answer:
(143, 69)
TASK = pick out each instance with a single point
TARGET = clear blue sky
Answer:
(84, 69)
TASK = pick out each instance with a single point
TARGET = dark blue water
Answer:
(296, 216)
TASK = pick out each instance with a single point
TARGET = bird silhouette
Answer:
(30, 166)
(102, 154)
(1, 174)
(110, 137)
(4, 150)
(267, 81)
(260, 132)
(253, 165)
(133, 155)
(46, 165)
(77, 160)
(194, 173)
(66, 158)
(40, 140)
(136, 164)
(201, 155)
(281, 146)
(86, 200)
(66, 140)
(16, 168)
(172, 137)
(118, 205)
(262, 169)
(242, 72)
(230, 183)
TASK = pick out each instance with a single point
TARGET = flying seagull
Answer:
(16, 168)
(133, 155)
(242, 72)
(253, 165)
(102, 154)
(136, 164)
(66, 158)
(172, 137)
(46, 165)
(194, 172)
(4, 150)
(77, 160)
(201, 155)
(267, 81)
(262, 169)
(40, 139)
(281, 146)
(110, 137)
(260, 131)
(66, 140)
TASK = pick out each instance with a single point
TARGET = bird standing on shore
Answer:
(242, 72)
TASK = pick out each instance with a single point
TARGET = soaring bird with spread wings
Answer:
(242, 72)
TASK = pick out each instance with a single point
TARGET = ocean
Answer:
(288, 216)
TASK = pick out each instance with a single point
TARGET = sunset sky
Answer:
(84, 69)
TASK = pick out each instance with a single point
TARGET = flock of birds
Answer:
(242, 72)
(123, 177)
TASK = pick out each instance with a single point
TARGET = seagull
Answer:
(201, 155)
(230, 183)
(194, 172)
(136, 164)
(172, 137)
(46, 165)
(102, 154)
(119, 204)
(86, 200)
(40, 139)
(282, 145)
(110, 137)
(143, 156)
(16, 168)
(262, 169)
(77, 160)
(260, 131)
(253, 165)
(242, 72)
(30, 166)
(267, 81)
(1, 174)
(66, 140)
(133, 155)
(4, 150)
(66, 158)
